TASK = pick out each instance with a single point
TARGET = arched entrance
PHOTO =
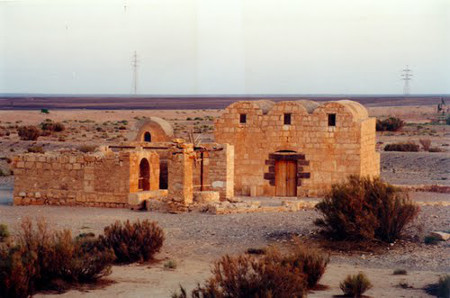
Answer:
(147, 137)
(285, 171)
(144, 175)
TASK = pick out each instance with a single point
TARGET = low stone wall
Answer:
(100, 179)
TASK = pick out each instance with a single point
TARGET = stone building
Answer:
(297, 148)
(285, 149)
(153, 167)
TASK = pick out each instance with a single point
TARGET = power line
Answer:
(135, 63)
(406, 77)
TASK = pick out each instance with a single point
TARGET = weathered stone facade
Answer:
(297, 148)
(73, 178)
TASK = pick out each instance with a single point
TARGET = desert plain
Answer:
(194, 240)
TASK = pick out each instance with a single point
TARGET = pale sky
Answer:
(224, 46)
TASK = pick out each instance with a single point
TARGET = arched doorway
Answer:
(147, 137)
(285, 173)
(144, 175)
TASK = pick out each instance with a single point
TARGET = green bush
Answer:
(45, 111)
(355, 285)
(41, 259)
(134, 242)
(28, 133)
(365, 209)
(390, 124)
(404, 147)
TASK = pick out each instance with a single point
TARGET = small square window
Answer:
(243, 118)
(287, 119)
(331, 119)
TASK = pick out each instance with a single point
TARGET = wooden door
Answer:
(285, 178)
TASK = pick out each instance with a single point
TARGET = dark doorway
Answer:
(144, 175)
(147, 137)
(163, 175)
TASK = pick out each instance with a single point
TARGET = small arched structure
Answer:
(154, 129)
(144, 175)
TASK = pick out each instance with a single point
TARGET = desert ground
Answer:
(194, 240)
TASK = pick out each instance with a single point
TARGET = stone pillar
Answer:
(180, 167)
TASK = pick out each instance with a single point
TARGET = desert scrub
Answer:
(355, 285)
(170, 264)
(87, 148)
(440, 289)
(270, 275)
(365, 209)
(403, 147)
(390, 124)
(400, 272)
(4, 232)
(35, 149)
(29, 133)
(51, 126)
(134, 242)
(41, 259)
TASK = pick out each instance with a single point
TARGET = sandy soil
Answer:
(195, 240)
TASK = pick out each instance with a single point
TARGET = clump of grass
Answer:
(355, 285)
(400, 272)
(35, 149)
(256, 251)
(403, 147)
(431, 240)
(87, 148)
(440, 289)
(170, 264)
(4, 232)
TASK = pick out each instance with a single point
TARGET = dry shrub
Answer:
(390, 124)
(133, 242)
(365, 209)
(87, 148)
(271, 275)
(29, 133)
(50, 125)
(41, 259)
(426, 144)
(355, 285)
(35, 149)
(4, 232)
(435, 149)
(403, 147)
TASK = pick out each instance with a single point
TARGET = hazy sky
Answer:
(224, 46)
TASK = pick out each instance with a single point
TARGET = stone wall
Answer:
(214, 169)
(331, 153)
(72, 178)
(180, 174)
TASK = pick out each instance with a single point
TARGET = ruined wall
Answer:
(214, 169)
(180, 170)
(331, 153)
(96, 179)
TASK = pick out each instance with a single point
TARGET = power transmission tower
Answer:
(406, 77)
(135, 64)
